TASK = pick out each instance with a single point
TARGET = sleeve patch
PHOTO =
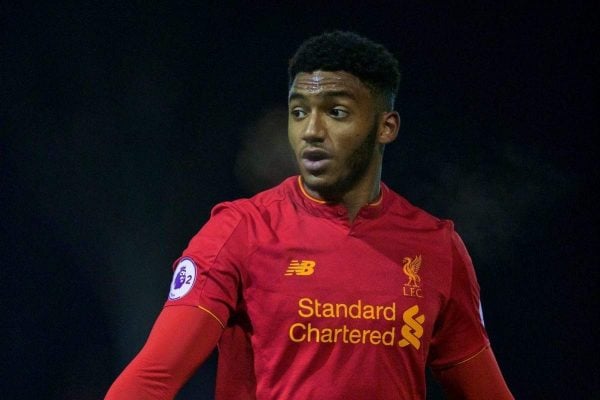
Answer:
(481, 314)
(184, 277)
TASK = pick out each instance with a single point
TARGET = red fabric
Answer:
(477, 378)
(181, 339)
(281, 265)
(460, 317)
(235, 374)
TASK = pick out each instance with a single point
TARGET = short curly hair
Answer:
(371, 62)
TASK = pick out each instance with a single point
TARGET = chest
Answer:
(367, 276)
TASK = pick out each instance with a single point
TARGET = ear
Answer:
(388, 130)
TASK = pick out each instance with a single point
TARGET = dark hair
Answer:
(372, 63)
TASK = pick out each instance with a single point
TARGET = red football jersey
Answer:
(316, 307)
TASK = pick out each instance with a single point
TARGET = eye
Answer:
(338, 112)
(298, 113)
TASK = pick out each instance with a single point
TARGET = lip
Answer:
(315, 160)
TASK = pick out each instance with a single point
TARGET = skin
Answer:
(337, 130)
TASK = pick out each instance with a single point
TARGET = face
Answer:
(333, 129)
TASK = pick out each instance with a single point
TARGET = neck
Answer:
(366, 191)
(360, 196)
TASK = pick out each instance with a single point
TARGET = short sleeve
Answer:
(207, 275)
(459, 333)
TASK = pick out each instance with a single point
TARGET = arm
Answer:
(181, 339)
(476, 378)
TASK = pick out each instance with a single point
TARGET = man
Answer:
(330, 285)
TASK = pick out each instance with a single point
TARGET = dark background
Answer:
(122, 124)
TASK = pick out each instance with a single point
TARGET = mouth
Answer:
(315, 160)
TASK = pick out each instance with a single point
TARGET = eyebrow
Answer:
(294, 95)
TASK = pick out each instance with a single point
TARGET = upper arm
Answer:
(181, 339)
(204, 293)
(459, 332)
(476, 378)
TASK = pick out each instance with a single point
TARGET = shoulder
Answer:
(261, 204)
(403, 211)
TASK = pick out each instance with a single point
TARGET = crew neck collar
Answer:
(323, 208)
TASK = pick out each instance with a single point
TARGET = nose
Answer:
(314, 130)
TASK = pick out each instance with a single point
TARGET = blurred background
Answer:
(122, 124)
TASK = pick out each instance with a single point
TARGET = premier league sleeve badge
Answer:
(183, 280)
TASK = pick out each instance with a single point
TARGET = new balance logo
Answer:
(301, 268)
